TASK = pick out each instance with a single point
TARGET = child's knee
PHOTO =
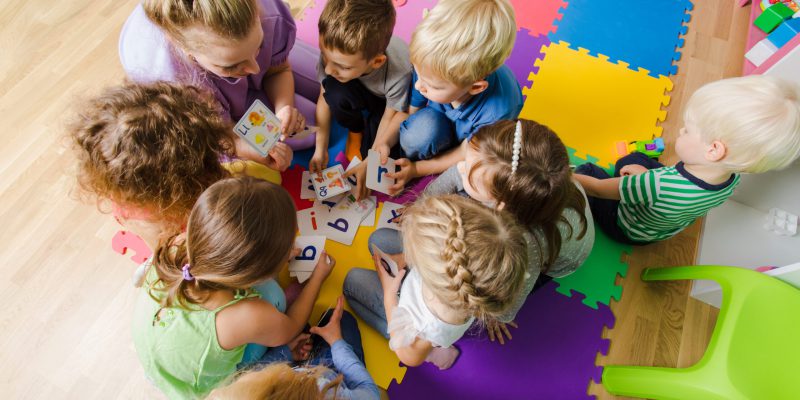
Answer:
(425, 133)
(355, 279)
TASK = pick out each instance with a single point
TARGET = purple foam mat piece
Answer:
(552, 356)
(527, 49)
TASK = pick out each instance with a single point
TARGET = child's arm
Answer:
(319, 160)
(257, 321)
(278, 84)
(388, 131)
(414, 169)
(601, 188)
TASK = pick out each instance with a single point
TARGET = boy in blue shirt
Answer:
(460, 83)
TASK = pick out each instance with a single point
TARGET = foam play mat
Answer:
(596, 73)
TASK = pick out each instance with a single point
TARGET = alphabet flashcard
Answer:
(330, 182)
(311, 248)
(307, 186)
(259, 127)
(376, 173)
(311, 221)
(390, 215)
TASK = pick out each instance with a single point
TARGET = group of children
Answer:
(506, 214)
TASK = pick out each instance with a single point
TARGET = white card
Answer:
(329, 202)
(369, 220)
(330, 182)
(389, 214)
(302, 276)
(259, 127)
(307, 186)
(387, 263)
(363, 207)
(376, 173)
(311, 220)
(311, 248)
(342, 225)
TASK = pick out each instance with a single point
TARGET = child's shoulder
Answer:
(397, 54)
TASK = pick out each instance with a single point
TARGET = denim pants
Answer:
(426, 134)
(363, 289)
(606, 211)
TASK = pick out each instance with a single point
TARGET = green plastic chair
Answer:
(754, 352)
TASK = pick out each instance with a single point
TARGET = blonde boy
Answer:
(732, 126)
(365, 74)
(460, 82)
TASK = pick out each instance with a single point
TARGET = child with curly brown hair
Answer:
(467, 263)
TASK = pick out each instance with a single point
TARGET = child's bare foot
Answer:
(442, 357)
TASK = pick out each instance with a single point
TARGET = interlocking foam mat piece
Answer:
(552, 356)
(538, 16)
(596, 278)
(591, 103)
(527, 49)
(644, 34)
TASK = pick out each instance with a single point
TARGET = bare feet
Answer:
(442, 357)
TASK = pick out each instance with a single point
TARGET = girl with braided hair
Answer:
(467, 263)
(523, 167)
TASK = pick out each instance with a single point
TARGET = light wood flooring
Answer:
(67, 297)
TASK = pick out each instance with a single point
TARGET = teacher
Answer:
(237, 49)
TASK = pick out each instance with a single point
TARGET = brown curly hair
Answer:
(154, 147)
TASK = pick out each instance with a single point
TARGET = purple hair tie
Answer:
(187, 276)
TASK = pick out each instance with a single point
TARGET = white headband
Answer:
(517, 147)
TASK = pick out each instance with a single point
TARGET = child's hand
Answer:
(300, 347)
(360, 172)
(279, 157)
(324, 266)
(384, 151)
(390, 284)
(407, 172)
(291, 120)
(498, 329)
(332, 331)
(319, 161)
(632, 169)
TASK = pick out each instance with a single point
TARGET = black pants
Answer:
(356, 108)
(605, 211)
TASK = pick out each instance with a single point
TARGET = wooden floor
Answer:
(67, 298)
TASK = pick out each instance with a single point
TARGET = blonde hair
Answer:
(357, 26)
(756, 117)
(240, 232)
(471, 257)
(463, 41)
(230, 19)
(277, 381)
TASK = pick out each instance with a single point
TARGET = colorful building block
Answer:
(772, 17)
(760, 52)
(784, 32)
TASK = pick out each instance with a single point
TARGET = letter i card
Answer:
(330, 182)
(376, 173)
(259, 127)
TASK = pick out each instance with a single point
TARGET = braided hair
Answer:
(469, 256)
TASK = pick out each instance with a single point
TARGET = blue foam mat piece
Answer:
(644, 34)
(337, 144)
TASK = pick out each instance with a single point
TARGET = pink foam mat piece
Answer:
(538, 16)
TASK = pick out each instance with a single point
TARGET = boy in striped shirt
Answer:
(739, 125)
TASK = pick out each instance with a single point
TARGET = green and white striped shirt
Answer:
(661, 202)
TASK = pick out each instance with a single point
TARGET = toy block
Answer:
(784, 32)
(773, 16)
(761, 51)
(781, 222)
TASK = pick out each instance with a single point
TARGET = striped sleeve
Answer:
(639, 189)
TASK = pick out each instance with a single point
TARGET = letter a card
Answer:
(376, 173)
(259, 127)
(330, 182)
(311, 248)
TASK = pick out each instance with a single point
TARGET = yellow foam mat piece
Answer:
(591, 103)
(382, 363)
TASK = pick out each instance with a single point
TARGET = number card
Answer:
(376, 173)
(330, 182)
(259, 127)
(390, 215)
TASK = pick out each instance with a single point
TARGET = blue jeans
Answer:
(273, 293)
(426, 134)
(321, 352)
(363, 289)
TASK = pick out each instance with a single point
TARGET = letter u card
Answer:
(259, 127)
(330, 182)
